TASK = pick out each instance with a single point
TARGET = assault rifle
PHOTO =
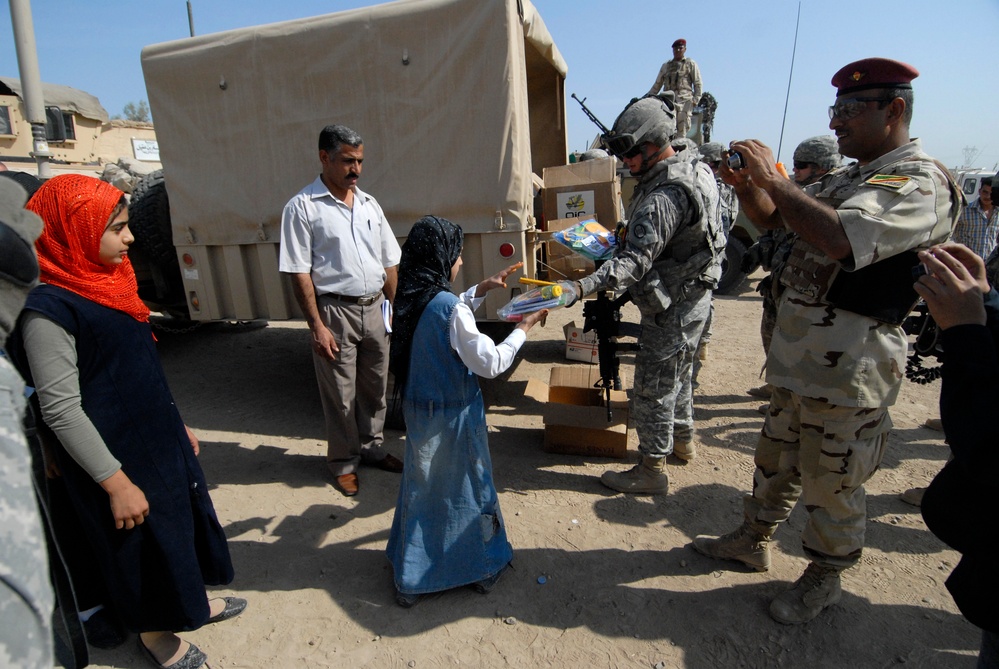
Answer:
(589, 115)
(603, 315)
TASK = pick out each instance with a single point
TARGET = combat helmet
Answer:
(592, 154)
(711, 152)
(649, 119)
(822, 150)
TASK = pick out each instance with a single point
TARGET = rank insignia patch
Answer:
(888, 181)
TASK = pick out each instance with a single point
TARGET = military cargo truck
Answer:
(79, 134)
(459, 102)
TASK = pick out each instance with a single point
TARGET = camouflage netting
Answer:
(126, 173)
(708, 106)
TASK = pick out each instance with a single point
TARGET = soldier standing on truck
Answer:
(682, 76)
(838, 352)
(343, 260)
(669, 260)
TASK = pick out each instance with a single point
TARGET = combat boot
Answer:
(744, 545)
(764, 391)
(685, 450)
(647, 477)
(817, 588)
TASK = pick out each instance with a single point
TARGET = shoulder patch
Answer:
(890, 181)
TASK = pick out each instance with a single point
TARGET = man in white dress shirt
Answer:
(343, 260)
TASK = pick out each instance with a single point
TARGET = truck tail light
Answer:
(506, 250)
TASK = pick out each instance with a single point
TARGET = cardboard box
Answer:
(582, 190)
(575, 415)
(563, 262)
(580, 345)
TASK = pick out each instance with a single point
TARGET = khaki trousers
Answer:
(352, 387)
(822, 454)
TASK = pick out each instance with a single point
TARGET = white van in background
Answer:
(970, 181)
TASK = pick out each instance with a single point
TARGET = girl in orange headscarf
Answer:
(128, 461)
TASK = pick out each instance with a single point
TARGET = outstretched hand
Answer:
(954, 285)
(530, 320)
(497, 280)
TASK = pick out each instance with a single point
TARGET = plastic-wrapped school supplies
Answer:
(588, 238)
(558, 294)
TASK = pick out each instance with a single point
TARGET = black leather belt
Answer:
(361, 301)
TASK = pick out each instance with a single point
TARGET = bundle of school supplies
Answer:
(543, 296)
(588, 238)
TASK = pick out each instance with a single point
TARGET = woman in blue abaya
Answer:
(448, 530)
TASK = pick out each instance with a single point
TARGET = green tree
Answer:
(136, 112)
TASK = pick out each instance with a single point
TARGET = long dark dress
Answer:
(155, 575)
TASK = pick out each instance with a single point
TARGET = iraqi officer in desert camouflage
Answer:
(813, 158)
(837, 356)
(669, 261)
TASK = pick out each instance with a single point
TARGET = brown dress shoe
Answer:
(390, 463)
(347, 484)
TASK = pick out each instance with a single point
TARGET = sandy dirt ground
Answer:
(599, 580)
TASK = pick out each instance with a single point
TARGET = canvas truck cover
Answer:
(66, 98)
(458, 102)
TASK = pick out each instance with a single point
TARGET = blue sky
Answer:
(614, 49)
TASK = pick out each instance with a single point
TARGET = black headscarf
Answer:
(431, 250)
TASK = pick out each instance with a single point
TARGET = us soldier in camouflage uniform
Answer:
(26, 600)
(728, 209)
(682, 76)
(669, 262)
(838, 352)
(813, 159)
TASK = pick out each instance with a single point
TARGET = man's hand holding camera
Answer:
(751, 161)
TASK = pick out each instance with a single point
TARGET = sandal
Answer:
(233, 607)
(193, 658)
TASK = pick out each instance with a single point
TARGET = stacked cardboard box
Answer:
(572, 193)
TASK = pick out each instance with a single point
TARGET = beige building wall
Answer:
(96, 143)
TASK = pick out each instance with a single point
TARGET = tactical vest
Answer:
(882, 291)
(680, 78)
(696, 249)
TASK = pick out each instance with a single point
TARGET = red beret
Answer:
(679, 42)
(870, 73)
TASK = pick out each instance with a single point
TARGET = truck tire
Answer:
(149, 220)
(731, 276)
(153, 255)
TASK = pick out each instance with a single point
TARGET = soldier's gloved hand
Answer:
(574, 290)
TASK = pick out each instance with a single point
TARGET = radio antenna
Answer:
(787, 97)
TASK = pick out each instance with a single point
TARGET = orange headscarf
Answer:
(76, 209)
